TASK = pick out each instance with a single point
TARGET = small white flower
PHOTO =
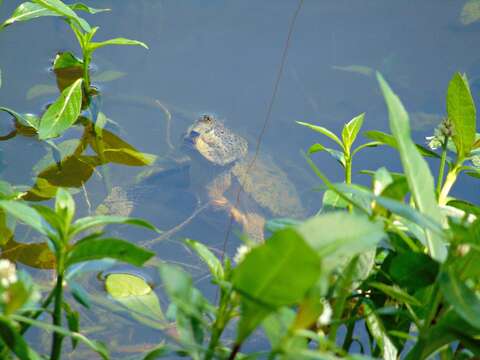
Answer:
(242, 251)
(326, 315)
(476, 161)
(8, 273)
(433, 142)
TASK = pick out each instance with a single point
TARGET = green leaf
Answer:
(15, 342)
(25, 214)
(87, 9)
(377, 329)
(94, 249)
(66, 60)
(62, 113)
(337, 155)
(73, 322)
(93, 221)
(24, 119)
(461, 112)
(27, 11)
(348, 235)
(65, 206)
(323, 131)
(61, 9)
(266, 275)
(213, 263)
(137, 296)
(351, 129)
(395, 293)
(416, 169)
(117, 41)
(413, 270)
(96, 346)
(464, 301)
(389, 140)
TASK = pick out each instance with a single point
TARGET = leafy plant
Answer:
(59, 227)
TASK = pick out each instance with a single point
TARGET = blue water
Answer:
(222, 57)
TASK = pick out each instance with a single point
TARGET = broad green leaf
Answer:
(464, 300)
(62, 113)
(61, 9)
(87, 9)
(96, 346)
(93, 221)
(117, 41)
(348, 235)
(395, 293)
(27, 11)
(95, 249)
(470, 12)
(25, 214)
(137, 296)
(331, 201)
(73, 321)
(65, 60)
(413, 270)
(65, 206)
(323, 131)
(11, 337)
(24, 119)
(416, 169)
(266, 275)
(461, 112)
(377, 329)
(213, 263)
(277, 325)
(351, 129)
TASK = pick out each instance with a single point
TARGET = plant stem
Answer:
(447, 186)
(441, 170)
(86, 72)
(223, 316)
(57, 319)
(348, 169)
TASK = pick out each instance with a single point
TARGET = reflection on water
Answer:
(221, 57)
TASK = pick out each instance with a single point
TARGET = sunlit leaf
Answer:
(64, 206)
(396, 293)
(25, 214)
(461, 112)
(62, 113)
(87, 9)
(337, 155)
(137, 296)
(28, 11)
(24, 119)
(117, 41)
(377, 329)
(348, 235)
(213, 263)
(93, 221)
(323, 131)
(416, 169)
(351, 129)
(61, 9)
(94, 249)
(65, 60)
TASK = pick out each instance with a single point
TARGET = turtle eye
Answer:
(207, 119)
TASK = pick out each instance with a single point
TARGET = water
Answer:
(222, 57)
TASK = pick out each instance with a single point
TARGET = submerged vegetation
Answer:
(386, 271)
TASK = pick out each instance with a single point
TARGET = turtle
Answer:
(263, 184)
(222, 172)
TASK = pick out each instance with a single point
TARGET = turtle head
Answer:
(215, 143)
